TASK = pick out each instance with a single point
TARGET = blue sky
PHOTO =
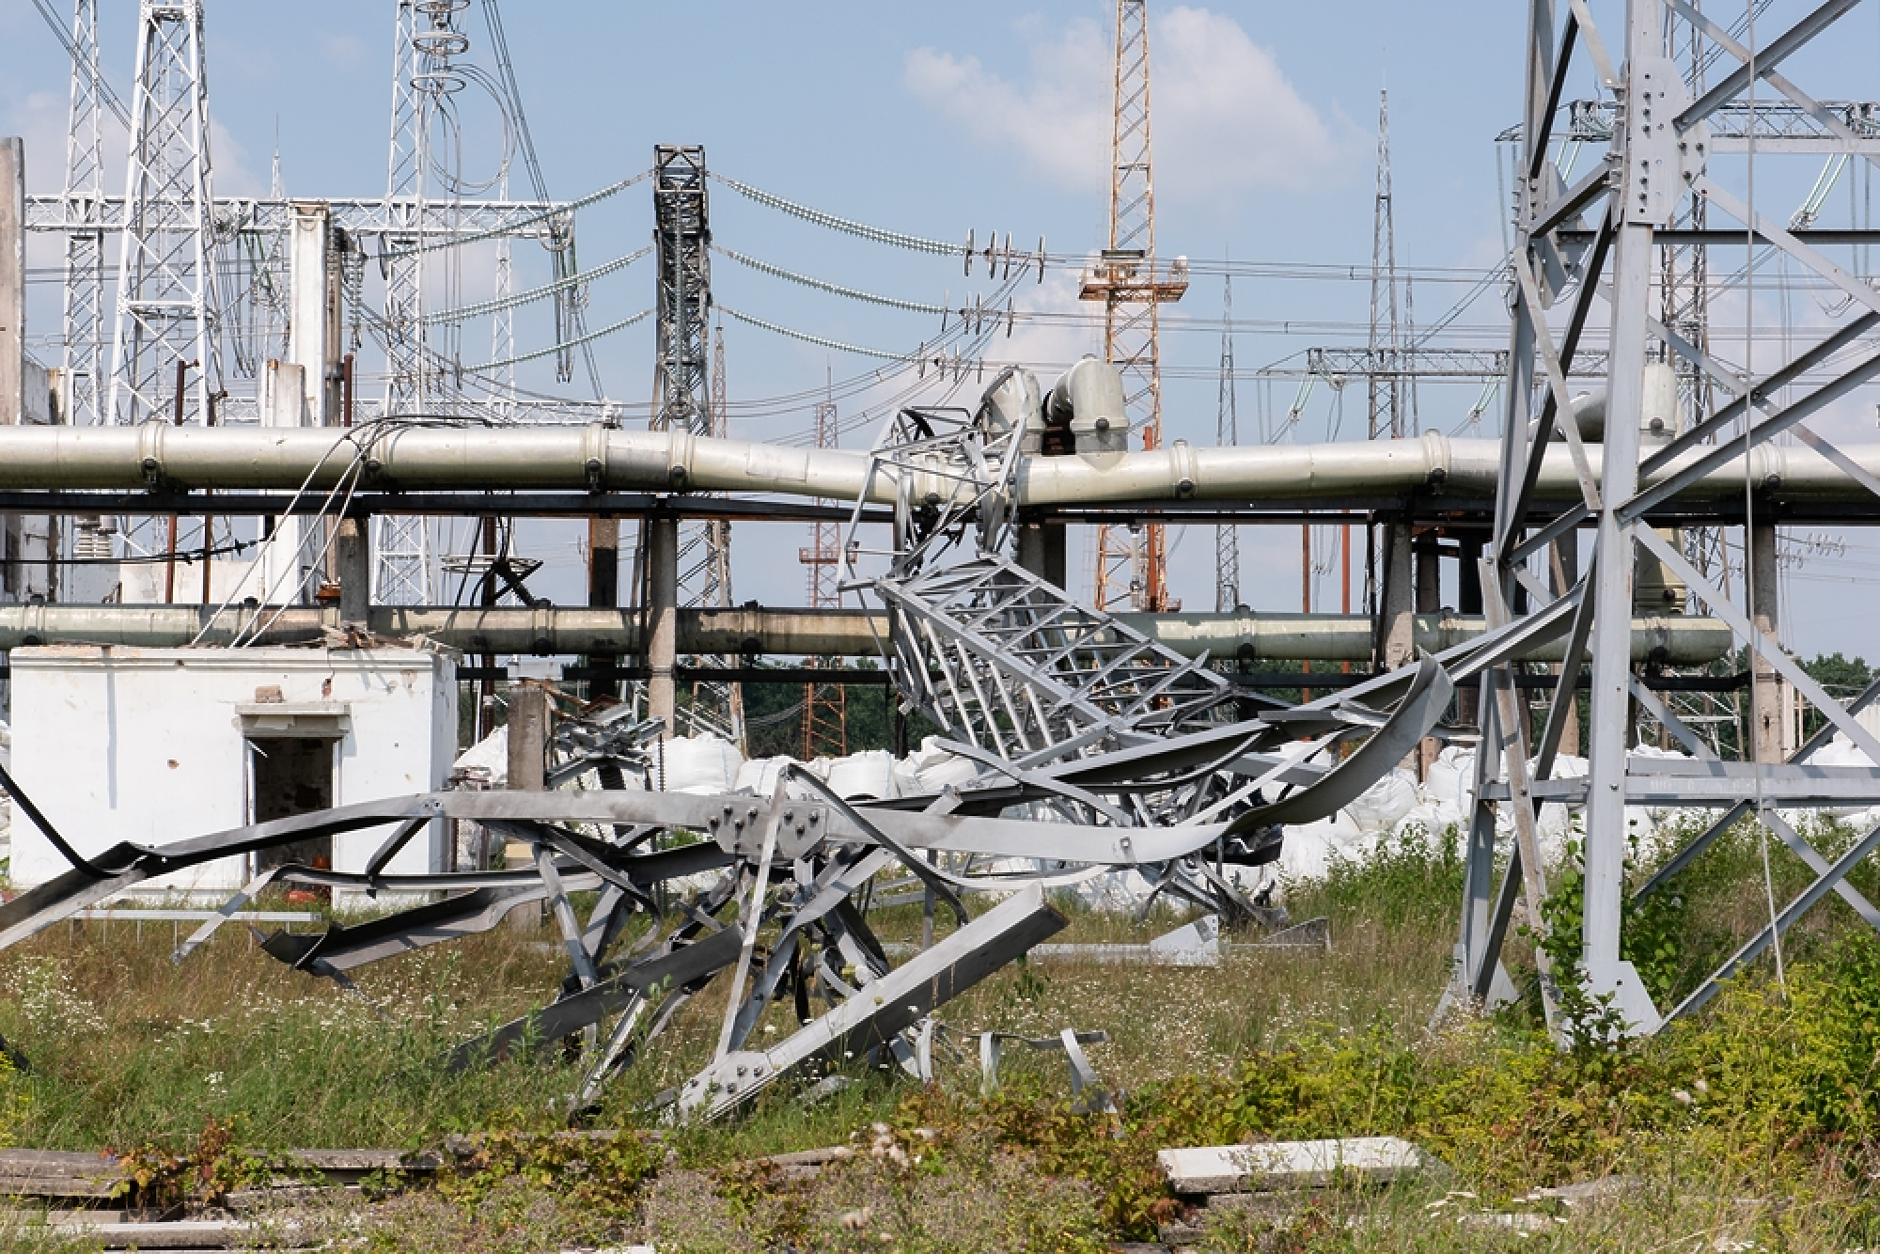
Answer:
(929, 119)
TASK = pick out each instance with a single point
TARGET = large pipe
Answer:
(1675, 641)
(596, 457)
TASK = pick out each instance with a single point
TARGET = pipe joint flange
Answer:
(1182, 459)
(594, 455)
(150, 436)
(1436, 457)
(679, 460)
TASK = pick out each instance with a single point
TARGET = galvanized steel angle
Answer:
(1797, 907)
(1536, 451)
(1557, 386)
(1788, 243)
(1809, 105)
(1820, 866)
(1771, 652)
(1766, 59)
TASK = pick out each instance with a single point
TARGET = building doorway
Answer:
(289, 776)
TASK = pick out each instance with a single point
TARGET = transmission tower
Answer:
(1227, 434)
(681, 397)
(1386, 383)
(83, 194)
(718, 541)
(825, 706)
(425, 43)
(1128, 279)
(166, 285)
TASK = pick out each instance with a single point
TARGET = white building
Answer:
(155, 745)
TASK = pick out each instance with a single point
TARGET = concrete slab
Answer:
(1289, 1164)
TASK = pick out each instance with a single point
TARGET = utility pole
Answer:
(825, 706)
(1227, 434)
(1132, 284)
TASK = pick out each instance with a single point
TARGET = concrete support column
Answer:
(12, 279)
(528, 737)
(1429, 593)
(352, 562)
(1769, 697)
(1396, 644)
(662, 617)
(603, 592)
(528, 772)
(1041, 551)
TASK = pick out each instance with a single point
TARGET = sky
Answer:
(934, 121)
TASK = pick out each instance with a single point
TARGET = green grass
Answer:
(1753, 1123)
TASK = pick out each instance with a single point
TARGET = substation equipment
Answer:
(1097, 741)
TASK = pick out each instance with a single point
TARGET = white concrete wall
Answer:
(147, 746)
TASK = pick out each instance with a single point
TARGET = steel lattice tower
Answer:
(718, 538)
(1227, 434)
(424, 43)
(825, 706)
(166, 284)
(681, 395)
(82, 314)
(1386, 382)
(1131, 287)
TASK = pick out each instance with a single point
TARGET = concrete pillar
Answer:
(603, 591)
(352, 557)
(313, 324)
(662, 617)
(1769, 698)
(12, 279)
(1041, 551)
(284, 561)
(1396, 644)
(1429, 580)
(528, 737)
(528, 772)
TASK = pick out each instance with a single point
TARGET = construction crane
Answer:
(1132, 283)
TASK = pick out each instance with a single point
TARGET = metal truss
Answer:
(1658, 174)
(468, 220)
(683, 398)
(81, 204)
(1425, 362)
(792, 868)
(1131, 564)
(1774, 126)
(1227, 435)
(164, 325)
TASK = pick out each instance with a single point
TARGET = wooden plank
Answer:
(57, 1173)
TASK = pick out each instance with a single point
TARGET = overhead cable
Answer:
(823, 286)
(589, 338)
(463, 313)
(879, 235)
(807, 338)
(112, 100)
(510, 228)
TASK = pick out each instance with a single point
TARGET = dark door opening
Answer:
(289, 776)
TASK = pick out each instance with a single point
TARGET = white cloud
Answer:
(1226, 120)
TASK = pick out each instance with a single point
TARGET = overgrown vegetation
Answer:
(1756, 1121)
